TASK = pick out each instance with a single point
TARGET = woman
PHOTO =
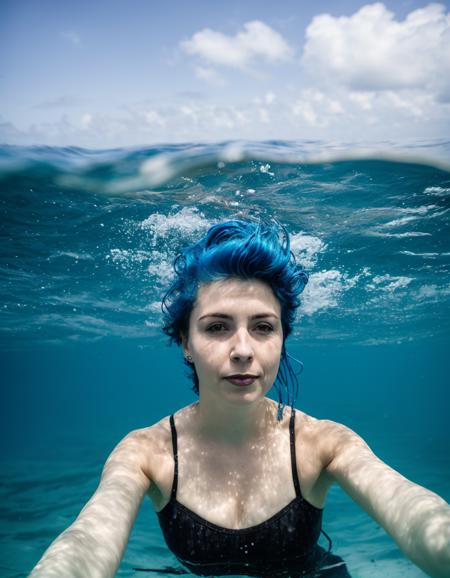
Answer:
(238, 480)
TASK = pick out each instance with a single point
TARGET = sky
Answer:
(113, 73)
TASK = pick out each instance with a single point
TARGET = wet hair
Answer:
(245, 250)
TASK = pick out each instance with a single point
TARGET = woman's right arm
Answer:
(93, 545)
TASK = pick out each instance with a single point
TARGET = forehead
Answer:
(232, 293)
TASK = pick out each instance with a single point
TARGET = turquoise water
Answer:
(87, 242)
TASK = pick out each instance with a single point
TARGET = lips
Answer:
(241, 380)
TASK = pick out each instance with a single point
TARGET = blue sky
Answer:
(130, 72)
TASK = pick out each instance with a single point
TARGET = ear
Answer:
(184, 344)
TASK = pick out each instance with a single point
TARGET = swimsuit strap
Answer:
(173, 493)
(295, 479)
(330, 543)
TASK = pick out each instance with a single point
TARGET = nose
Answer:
(241, 349)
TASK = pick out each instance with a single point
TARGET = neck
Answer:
(235, 425)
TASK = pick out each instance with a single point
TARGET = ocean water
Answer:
(88, 238)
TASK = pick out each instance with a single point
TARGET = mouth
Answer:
(241, 379)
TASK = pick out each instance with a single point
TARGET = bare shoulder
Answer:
(151, 446)
(144, 446)
(328, 438)
(327, 429)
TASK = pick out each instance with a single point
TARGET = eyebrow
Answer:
(225, 316)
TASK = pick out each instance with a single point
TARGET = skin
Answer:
(232, 437)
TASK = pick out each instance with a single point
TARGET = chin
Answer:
(244, 395)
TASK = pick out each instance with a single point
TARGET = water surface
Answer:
(88, 238)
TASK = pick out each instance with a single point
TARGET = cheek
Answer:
(207, 353)
(275, 367)
(269, 355)
(275, 355)
(274, 349)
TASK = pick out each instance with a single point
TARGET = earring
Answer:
(189, 358)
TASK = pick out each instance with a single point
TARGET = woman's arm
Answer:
(93, 545)
(416, 518)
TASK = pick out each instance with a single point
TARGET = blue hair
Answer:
(246, 250)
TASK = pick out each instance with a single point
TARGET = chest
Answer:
(233, 489)
(237, 490)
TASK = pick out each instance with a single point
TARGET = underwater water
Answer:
(88, 238)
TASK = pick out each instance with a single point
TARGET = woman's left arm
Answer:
(416, 518)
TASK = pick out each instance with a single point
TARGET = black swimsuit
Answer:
(286, 542)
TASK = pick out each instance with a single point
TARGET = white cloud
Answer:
(372, 51)
(257, 41)
(208, 117)
(413, 106)
(263, 115)
(266, 100)
(191, 112)
(209, 75)
(315, 108)
(312, 113)
(86, 120)
(153, 117)
(269, 98)
(363, 99)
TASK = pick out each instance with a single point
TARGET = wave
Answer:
(128, 171)
(89, 244)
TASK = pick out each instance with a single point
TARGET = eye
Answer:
(216, 328)
(264, 328)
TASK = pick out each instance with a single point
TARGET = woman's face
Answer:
(235, 339)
